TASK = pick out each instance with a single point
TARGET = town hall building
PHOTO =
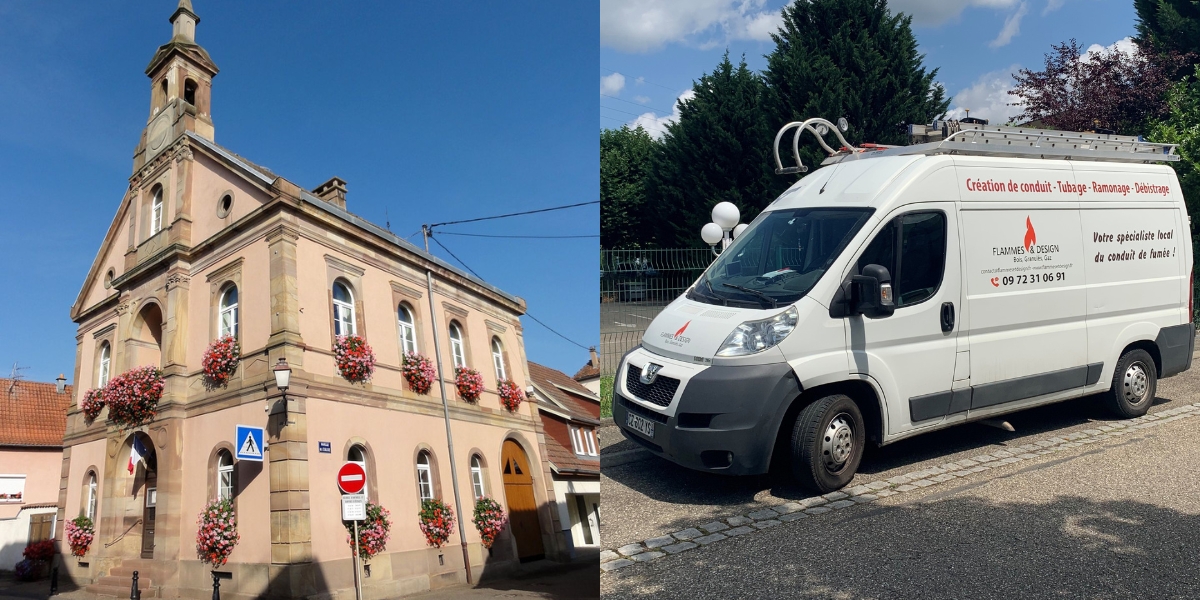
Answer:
(206, 244)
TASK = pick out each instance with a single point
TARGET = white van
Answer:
(902, 290)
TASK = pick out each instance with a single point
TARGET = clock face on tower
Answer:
(158, 134)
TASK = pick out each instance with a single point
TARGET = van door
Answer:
(911, 353)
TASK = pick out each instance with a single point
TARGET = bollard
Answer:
(134, 592)
(216, 587)
(54, 581)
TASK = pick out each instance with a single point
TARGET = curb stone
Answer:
(771, 516)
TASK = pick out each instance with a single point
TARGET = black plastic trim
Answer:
(940, 404)
(929, 406)
(1093, 373)
(1175, 347)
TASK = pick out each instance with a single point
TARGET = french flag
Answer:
(136, 454)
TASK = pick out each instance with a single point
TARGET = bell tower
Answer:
(181, 74)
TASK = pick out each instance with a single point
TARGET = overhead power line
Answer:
(528, 237)
(516, 214)
(527, 313)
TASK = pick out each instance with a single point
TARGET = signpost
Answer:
(249, 443)
(351, 479)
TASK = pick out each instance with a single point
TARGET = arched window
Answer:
(229, 312)
(105, 365)
(90, 508)
(357, 453)
(156, 211)
(408, 329)
(498, 359)
(477, 476)
(189, 92)
(225, 481)
(424, 476)
(343, 309)
(456, 345)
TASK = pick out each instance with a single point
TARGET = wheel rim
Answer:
(838, 442)
(1136, 385)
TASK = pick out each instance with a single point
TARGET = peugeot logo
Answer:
(650, 373)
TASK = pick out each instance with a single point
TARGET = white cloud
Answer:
(655, 125)
(612, 84)
(641, 99)
(1012, 26)
(647, 25)
(1053, 5)
(937, 12)
(987, 98)
(1125, 45)
(640, 80)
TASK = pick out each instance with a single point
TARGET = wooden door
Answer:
(149, 505)
(522, 506)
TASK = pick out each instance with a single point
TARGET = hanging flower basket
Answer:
(221, 361)
(217, 534)
(133, 396)
(372, 532)
(469, 383)
(80, 533)
(355, 359)
(91, 404)
(489, 520)
(418, 372)
(437, 521)
(510, 394)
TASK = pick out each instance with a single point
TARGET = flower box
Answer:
(469, 383)
(510, 394)
(355, 359)
(221, 361)
(418, 372)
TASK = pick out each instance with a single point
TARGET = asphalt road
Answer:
(1111, 520)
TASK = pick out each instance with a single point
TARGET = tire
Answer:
(1134, 384)
(825, 454)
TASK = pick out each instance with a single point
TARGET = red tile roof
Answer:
(588, 371)
(32, 414)
(577, 400)
(560, 453)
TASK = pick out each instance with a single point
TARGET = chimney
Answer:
(61, 383)
(332, 191)
(595, 358)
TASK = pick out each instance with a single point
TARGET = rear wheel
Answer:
(1134, 384)
(827, 443)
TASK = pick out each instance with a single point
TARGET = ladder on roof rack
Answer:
(955, 137)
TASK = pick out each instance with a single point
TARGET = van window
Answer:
(922, 255)
(780, 257)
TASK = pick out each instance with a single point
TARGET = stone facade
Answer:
(198, 220)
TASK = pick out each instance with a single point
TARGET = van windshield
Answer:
(779, 257)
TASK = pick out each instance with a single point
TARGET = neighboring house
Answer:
(570, 414)
(32, 418)
(589, 375)
(205, 244)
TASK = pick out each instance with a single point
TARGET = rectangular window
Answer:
(156, 216)
(576, 440)
(408, 338)
(477, 481)
(343, 320)
(589, 435)
(12, 488)
(225, 482)
(41, 527)
(915, 259)
(424, 482)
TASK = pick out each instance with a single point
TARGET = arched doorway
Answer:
(140, 465)
(522, 505)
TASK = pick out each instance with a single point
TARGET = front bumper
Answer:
(722, 419)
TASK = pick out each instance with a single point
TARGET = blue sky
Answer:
(658, 48)
(431, 111)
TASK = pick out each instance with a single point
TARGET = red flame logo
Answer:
(1030, 236)
(681, 329)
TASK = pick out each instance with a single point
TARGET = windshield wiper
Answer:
(774, 304)
(715, 295)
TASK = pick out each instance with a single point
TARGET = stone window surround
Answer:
(508, 372)
(213, 474)
(105, 335)
(402, 294)
(88, 473)
(483, 467)
(351, 276)
(223, 213)
(160, 181)
(454, 314)
(434, 471)
(220, 279)
(369, 458)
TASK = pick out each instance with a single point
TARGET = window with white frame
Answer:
(224, 475)
(498, 359)
(12, 488)
(457, 353)
(408, 329)
(343, 309)
(577, 440)
(229, 312)
(92, 489)
(156, 211)
(105, 365)
(424, 477)
(477, 476)
(589, 436)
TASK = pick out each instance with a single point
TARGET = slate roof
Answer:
(570, 394)
(34, 414)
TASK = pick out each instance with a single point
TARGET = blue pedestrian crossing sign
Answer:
(249, 443)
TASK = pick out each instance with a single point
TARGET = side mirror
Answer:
(871, 293)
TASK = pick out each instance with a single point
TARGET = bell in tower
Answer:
(181, 74)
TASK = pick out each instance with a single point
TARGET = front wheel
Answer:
(827, 443)
(1134, 384)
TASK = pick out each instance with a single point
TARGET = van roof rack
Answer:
(957, 137)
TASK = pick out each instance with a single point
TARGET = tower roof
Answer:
(185, 6)
(183, 41)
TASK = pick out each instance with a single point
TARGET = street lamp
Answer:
(283, 377)
(724, 228)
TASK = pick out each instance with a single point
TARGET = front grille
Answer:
(660, 393)
(640, 410)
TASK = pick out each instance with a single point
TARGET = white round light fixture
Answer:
(726, 215)
(739, 229)
(711, 233)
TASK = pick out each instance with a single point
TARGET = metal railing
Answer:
(635, 285)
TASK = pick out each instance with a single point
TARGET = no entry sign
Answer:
(351, 478)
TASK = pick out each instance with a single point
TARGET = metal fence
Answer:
(635, 285)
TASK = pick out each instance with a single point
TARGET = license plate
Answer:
(640, 424)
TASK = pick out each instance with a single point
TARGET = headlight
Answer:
(755, 336)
